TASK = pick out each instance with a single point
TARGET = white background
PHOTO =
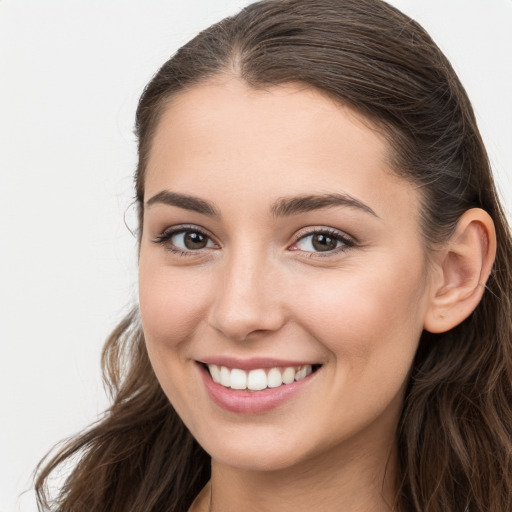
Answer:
(70, 75)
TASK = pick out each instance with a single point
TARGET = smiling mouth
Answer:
(259, 379)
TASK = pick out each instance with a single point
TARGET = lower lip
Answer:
(251, 402)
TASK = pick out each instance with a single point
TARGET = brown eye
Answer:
(194, 240)
(186, 240)
(321, 242)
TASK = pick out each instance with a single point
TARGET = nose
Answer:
(248, 298)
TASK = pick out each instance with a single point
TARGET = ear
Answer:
(461, 269)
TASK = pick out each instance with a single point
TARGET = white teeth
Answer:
(238, 379)
(215, 373)
(288, 375)
(300, 374)
(225, 376)
(274, 379)
(259, 379)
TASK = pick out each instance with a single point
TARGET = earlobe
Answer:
(461, 271)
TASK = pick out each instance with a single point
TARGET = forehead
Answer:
(224, 135)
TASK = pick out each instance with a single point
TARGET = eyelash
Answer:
(347, 243)
(167, 234)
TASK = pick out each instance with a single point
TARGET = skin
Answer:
(256, 291)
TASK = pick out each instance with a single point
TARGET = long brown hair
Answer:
(455, 431)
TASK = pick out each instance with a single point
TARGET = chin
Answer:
(258, 447)
(255, 458)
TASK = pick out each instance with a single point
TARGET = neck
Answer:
(354, 481)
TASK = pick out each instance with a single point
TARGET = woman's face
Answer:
(277, 242)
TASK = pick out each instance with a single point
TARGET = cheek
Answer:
(172, 302)
(370, 323)
(172, 305)
(364, 314)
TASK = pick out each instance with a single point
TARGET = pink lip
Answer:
(251, 402)
(253, 363)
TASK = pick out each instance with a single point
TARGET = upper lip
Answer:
(254, 363)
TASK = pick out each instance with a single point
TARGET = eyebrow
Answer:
(301, 204)
(184, 201)
(283, 207)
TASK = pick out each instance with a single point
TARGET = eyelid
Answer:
(347, 240)
(165, 236)
(309, 230)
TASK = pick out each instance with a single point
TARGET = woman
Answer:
(320, 325)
